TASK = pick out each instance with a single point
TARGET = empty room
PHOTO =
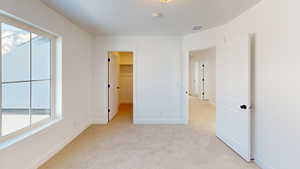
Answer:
(149, 84)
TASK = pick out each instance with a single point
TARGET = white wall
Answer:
(275, 77)
(156, 80)
(205, 56)
(76, 75)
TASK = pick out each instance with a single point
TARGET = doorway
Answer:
(233, 93)
(202, 74)
(120, 84)
(202, 88)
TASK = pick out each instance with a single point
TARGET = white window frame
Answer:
(54, 114)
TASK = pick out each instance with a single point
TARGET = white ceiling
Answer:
(133, 17)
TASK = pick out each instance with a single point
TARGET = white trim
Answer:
(24, 135)
(57, 148)
(28, 129)
(20, 23)
(57, 81)
(185, 89)
(53, 75)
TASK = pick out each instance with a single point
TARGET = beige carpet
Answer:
(122, 145)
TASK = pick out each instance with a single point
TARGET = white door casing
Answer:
(233, 123)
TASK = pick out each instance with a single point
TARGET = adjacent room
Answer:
(120, 85)
(202, 87)
(160, 84)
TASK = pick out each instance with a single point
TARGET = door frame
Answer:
(203, 86)
(186, 81)
(106, 74)
(185, 78)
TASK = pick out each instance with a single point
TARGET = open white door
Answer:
(113, 85)
(233, 95)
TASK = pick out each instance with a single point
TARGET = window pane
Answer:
(39, 115)
(41, 51)
(41, 95)
(15, 107)
(16, 96)
(15, 53)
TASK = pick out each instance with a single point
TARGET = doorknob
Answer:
(244, 107)
(118, 87)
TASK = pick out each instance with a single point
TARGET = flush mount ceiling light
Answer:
(164, 1)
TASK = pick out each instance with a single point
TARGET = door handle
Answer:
(118, 87)
(244, 107)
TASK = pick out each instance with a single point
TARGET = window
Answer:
(27, 85)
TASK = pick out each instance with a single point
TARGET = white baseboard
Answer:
(262, 164)
(159, 121)
(48, 155)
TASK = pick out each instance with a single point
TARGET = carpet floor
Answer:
(122, 145)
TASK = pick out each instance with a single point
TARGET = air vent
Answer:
(197, 28)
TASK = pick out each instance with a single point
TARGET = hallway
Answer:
(122, 145)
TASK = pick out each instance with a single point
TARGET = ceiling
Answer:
(134, 17)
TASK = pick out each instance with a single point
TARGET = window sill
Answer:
(6, 143)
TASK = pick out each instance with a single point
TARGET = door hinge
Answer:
(108, 85)
(203, 79)
(108, 110)
(108, 59)
(203, 93)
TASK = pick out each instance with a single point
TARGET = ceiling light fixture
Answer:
(156, 14)
(165, 1)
